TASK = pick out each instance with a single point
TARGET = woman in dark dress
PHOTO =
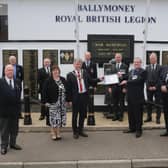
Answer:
(55, 99)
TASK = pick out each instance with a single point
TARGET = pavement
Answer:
(106, 147)
(102, 123)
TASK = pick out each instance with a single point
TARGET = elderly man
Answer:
(43, 74)
(135, 96)
(9, 110)
(91, 69)
(164, 91)
(118, 91)
(18, 75)
(153, 87)
(77, 93)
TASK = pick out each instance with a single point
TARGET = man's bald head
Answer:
(12, 60)
(9, 71)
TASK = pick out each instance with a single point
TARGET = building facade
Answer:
(34, 29)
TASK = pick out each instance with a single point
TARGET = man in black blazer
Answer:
(91, 69)
(118, 91)
(153, 87)
(135, 97)
(43, 74)
(77, 94)
(18, 75)
(164, 94)
(9, 110)
(89, 65)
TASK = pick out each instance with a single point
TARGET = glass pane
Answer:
(164, 57)
(104, 47)
(30, 65)
(148, 54)
(3, 22)
(66, 56)
(7, 53)
(52, 54)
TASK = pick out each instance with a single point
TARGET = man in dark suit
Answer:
(17, 74)
(153, 87)
(9, 110)
(118, 91)
(91, 69)
(43, 74)
(89, 65)
(135, 97)
(77, 94)
(164, 93)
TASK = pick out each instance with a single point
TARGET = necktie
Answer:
(87, 63)
(80, 82)
(153, 66)
(118, 66)
(10, 84)
(48, 71)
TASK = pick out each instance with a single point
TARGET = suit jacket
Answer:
(19, 74)
(124, 70)
(164, 76)
(72, 85)
(135, 86)
(41, 78)
(9, 99)
(51, 90)
(91, 70)
(153, 76)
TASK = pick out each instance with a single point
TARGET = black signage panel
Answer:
(104, 47)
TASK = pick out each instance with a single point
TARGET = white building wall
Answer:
(35, 19)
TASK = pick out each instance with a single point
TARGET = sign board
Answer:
(104, 47)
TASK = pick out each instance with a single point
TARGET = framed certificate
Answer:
(111, 79)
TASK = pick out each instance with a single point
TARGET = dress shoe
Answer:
(148, 120)
(83, 134)
(75, 136)
(42, 118)
(114, 119)
(157, 121)
(128, 131)
(58, 138)
(138, 134)
(3, 151)
(53, 137)
(164, 134)
(16, 147)
(21, 117)
(120, 119)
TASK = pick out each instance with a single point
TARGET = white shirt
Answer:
(153, 66)
(118, 65)
(47, 69)
(8, 81)
(82, 82)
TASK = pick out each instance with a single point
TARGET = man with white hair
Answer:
(135, 97)
(43, 74)
(9, 109)
(77, 94)
(18, 75)
(153, 87)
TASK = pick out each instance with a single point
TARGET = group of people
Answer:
(57, 93)
(131, 88)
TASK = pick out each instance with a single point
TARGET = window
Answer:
(3, 22)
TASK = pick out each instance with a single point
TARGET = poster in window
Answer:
(164, 57)
(66, 56)
(52, 54)
(7, 53)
